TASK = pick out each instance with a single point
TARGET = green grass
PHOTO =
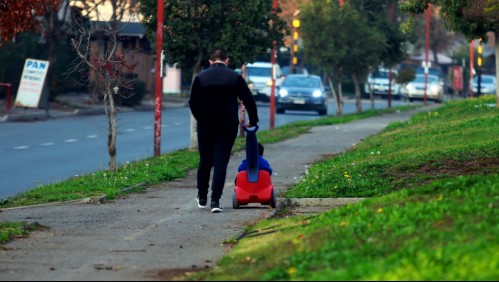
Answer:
(459, 138)
(12, 230)
(432, 214)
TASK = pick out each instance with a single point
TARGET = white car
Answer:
(378, 83)
(259, 76)
(416, 89)
(487, 84)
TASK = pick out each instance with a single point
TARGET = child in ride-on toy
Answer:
(262, 162)
(253, 182)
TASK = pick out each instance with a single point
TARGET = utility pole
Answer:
(158, 75)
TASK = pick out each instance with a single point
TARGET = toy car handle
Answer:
(251, 129)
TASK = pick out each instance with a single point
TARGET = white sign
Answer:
(32, 82)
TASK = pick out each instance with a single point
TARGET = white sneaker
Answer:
(215, 207)
(201, 202)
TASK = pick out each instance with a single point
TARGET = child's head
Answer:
(260, 149)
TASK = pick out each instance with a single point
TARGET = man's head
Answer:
(219, 55)
(260, 149)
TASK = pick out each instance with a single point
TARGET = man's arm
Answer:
(194, 99)
(245, 95)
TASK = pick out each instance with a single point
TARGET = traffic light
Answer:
(479, 49)
(296, 36)
(479, 63)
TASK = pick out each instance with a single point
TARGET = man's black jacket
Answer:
(214, 98)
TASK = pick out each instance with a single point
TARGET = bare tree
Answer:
(109, 71)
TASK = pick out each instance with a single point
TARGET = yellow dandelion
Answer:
(292, 270)
(380, 210)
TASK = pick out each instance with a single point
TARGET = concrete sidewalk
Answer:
(160, 233)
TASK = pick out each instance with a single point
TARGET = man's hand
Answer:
(249, 125)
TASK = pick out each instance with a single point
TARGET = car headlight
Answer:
(434, 88)
(410, 87)
(317, 94)
(283, 92)
(269, 82)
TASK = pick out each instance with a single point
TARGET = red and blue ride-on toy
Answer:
(253, 185)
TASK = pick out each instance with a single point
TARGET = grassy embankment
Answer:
(136, 175)
(432, 212)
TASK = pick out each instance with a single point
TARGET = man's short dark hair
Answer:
(260, 149)
(219, 54)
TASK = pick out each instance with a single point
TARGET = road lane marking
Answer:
(21, 147)
(70, 140)
(92, 136)
(48, 144)
(130, 130)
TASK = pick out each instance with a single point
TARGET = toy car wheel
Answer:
(273, 200)
(235, 204)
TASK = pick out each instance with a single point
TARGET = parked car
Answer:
(487, 84)
(437, 71)
(416, 89)
(302, 92)
(378, 82)
(259, 76)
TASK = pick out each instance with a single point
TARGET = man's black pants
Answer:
(215, 146)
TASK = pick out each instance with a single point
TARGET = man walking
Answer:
(214, 105)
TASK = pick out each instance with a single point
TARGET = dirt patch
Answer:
(453, 167)
(450, 168)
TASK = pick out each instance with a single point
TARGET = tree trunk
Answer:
(339, 100)
(358, 102)
(111, 114)
(336, 97)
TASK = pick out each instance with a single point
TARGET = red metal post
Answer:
(158, 76)
(472, 67)
(273, 62)
(428, 14)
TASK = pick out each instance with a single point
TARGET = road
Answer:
(43, 152)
